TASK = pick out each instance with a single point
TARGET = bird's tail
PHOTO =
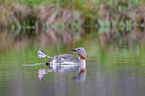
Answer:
(41, 54)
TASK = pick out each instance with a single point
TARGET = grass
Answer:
(62, 14)
(28, 2)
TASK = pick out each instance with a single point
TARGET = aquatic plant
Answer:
(64, 14)
(121, 14)
(58, 19)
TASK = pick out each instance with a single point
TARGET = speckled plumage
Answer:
(64, 59)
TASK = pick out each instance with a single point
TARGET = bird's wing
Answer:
(66, 57)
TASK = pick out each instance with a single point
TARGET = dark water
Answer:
(112, 69)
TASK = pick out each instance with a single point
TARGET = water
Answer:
(113, 69)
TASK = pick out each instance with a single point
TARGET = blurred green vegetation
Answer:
(62, 14)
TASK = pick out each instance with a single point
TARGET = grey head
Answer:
(81, 52)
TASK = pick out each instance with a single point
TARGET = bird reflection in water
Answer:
(65, 69)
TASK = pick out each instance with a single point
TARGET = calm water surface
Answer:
(113, 69)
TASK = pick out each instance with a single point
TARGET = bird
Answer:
(65, 58)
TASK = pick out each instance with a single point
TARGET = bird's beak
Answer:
(72, 49)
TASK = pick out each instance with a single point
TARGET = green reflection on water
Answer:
(112, 60)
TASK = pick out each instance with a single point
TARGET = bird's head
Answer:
(81, 52)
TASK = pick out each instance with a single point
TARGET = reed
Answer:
(63, 14)
(121, 14)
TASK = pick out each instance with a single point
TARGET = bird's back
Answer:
(64, 59)
(67, 57)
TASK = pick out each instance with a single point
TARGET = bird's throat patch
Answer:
(81, 57)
